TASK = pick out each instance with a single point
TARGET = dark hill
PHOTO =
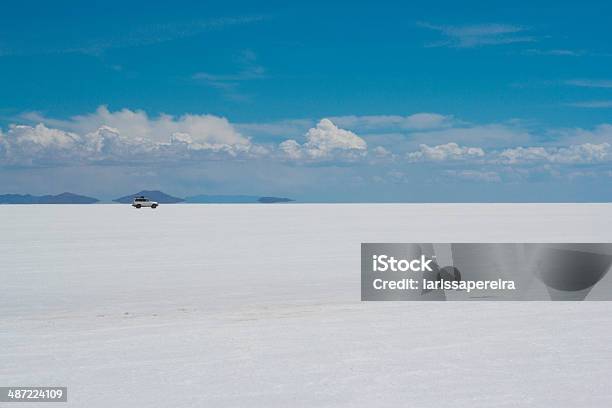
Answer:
(154, 195)
(269, 200)
(63, 198)
(234, 199)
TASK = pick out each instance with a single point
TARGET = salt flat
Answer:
(258, 305)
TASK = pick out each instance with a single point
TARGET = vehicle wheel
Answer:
(154, 206)
(138, 205)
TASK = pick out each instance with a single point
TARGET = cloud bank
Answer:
(122, 136)
(396, 144)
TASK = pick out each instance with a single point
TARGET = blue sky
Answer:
(470, 101)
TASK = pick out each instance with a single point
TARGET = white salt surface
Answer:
(258, 306)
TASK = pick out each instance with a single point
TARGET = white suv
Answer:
(144, 202)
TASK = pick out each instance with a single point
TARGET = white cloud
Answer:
(249, 69)
(281, 128)
(416, 121)
(575, 136)
(130, 136)
(291, 149)
(490, 135)
(294, 128)
(380, 151)
(556, 52)
(139, 125)
(41, 137)
(449, 151)
(24, 144)
(325, 141)
(585, 153)
(475, 175)
(42, 145)
(228, 84)
(590, 83)
(476, 35)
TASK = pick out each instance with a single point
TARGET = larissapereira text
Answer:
(413, 284)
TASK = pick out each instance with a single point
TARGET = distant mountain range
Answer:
(64, 198)
(234, 199)
(155, 195)
(270, 200)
